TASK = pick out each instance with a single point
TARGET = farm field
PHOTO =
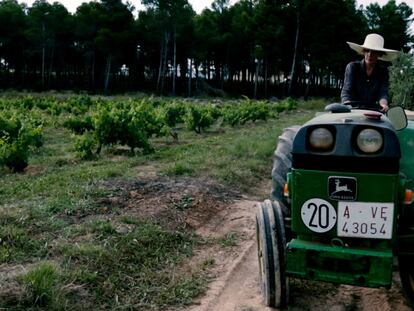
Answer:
(91, 219)
(145, 204)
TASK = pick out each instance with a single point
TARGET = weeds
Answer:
(54, 213)
(42, 284)
(229, 239)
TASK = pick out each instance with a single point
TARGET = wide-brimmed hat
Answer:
(374, 42)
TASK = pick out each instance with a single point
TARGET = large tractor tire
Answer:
(282, 162)
(271, 251)
(406, 256)
(406, 267)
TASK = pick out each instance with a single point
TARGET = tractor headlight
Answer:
(321, 138)
(369, 141)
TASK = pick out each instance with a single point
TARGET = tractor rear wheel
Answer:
(282, 162)
(406, 267)
(405, 262)
(271, 248)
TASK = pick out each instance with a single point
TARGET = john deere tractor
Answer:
(342, 207)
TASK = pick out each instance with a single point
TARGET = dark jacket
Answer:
(359, 87)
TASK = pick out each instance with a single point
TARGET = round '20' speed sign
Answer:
(318, 215)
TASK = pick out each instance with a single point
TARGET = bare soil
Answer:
(214, 212)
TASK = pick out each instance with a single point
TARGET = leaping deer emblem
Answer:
(339, 188)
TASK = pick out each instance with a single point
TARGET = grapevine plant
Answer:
(97, 123)
(18, 138)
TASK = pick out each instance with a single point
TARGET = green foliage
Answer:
(402, 81)
(85, 145)
(247, 110)
(103, 255)
(289, 103)
(79, 125)
(100, 123)
(174, 113)
(78, 105)
(229, 239)
(231, 115)
(230, 36)
(18, 138)
(179, 169)
(131, 124)
(16, 244)
(103, 228)
(251, 111)
(200, 117)
(41, 284)
(144, 255)
(391, 21)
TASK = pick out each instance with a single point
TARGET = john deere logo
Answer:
(342, 188)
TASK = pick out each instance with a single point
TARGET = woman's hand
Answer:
(384, 105)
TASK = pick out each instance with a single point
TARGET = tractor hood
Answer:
(354, 141)
(363, 117)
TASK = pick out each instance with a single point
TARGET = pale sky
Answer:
(382, 2)
(198, 5)
(71, 5)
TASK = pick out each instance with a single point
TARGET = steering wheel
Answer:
(360, 104)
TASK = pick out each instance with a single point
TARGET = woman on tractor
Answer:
(367, 81)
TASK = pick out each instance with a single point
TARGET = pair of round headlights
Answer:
(367, 140)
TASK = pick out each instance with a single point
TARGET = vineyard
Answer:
(101, 123)
(101, 197)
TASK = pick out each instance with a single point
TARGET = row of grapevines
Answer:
(249, 110)
(133, 123)
(19, 136)
(76, 105)
(100, 122)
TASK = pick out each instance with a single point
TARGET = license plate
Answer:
(365, 220)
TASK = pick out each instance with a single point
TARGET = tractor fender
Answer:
(406, 138)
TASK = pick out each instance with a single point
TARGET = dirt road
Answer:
(235, 285)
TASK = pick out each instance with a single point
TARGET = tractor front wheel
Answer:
(271, 247)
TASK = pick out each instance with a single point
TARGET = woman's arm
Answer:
(346, 93)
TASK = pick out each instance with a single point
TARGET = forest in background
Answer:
(259, 48)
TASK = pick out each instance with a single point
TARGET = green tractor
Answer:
(342, 203)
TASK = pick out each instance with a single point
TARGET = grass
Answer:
(238, 156)
(229, 239)
(41, 283)
(87, 255)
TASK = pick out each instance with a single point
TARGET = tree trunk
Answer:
(43, 66)
(43, 55)
(266, 79)
(164, 66)
(93, 70)
(190, 76)
(175, 62)
(107, 73)
(256, 77)
(222, 77)
(292, 72)
(52, 54)
(196, 74)
(160, 66)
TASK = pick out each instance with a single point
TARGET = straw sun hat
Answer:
(374, 42)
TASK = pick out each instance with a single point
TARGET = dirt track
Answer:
(214, 212)
(235, 286)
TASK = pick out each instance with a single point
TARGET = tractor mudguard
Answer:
(406, 138)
